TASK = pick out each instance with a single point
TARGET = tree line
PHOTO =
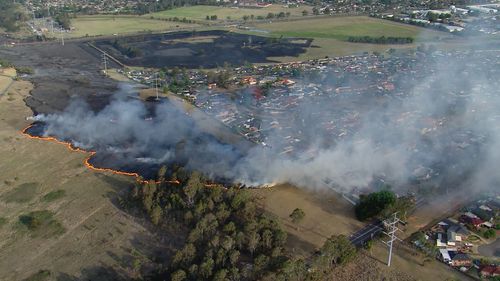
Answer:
(227, 236)
(380, 40)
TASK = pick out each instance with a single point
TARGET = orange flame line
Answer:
(91, 153)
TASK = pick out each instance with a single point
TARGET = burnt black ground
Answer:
(62, 73)
(227, 47)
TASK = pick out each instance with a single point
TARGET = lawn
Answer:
(341, 28)
(200, 12)
(109, 25)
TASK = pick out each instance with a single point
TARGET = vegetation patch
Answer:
(3, 221)
(41, 275)
(382, 204)
(41, 224)
(380, 40)
(12, 15)
(54, 195)
(226, 233)
(21, 194)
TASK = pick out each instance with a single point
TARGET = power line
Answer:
(391, 224)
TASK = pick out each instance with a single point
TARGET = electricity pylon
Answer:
(105, 62)
(391, 225)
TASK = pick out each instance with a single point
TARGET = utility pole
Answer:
(391, 225)
(105, 63)
(62, 37)
(156, 86)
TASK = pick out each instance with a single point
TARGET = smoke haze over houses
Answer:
(440, 124)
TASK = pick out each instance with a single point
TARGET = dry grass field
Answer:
(326, 215)
(98, 239)
(120, 25)
(6, 78)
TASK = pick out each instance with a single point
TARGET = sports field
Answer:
(201, 12)
(341, 28)
(109, 25)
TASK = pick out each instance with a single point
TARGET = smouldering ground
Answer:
(109, 25)
(98, 235)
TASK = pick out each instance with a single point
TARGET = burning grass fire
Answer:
(26, 132)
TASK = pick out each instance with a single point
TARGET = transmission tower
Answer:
(391, 225)
(105, 62)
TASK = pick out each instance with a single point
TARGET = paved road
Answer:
(360, 237)
(372, 230)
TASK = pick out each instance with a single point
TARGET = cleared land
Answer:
(82, 235)
(109, 25)
(201, 12)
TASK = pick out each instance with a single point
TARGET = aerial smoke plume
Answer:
(440, 123)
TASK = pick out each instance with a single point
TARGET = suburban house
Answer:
(461, 259)
(490, 271)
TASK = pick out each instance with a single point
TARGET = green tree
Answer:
(221, 275)
(192, 187)
(337, 250)
(179, 275)
(373, 204)
(206, 268)
(297, 216)
(253, 240)
(234, 256)
(156, 214)
(490, 233)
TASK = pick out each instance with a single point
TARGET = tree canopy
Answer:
(373, 204)
(11, 15)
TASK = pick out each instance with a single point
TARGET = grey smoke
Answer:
(447, 124)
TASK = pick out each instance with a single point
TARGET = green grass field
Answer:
(341, 28)
(109, 25)
(200, 12)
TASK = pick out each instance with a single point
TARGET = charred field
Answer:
(203, 49)
(73, 72)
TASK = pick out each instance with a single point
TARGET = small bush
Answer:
(41, 275)
(41, 223)
(3, 221)
(53, 195)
